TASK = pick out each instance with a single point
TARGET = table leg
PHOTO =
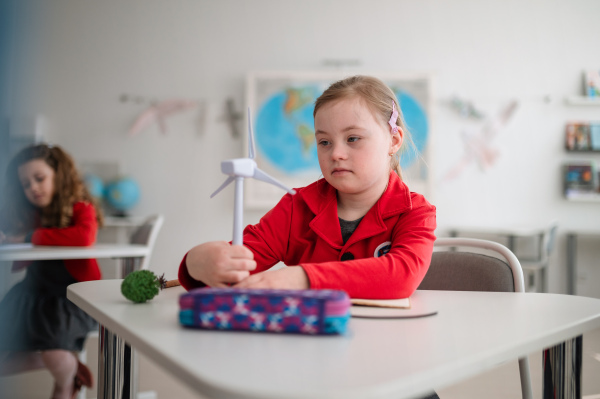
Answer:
(117, 361)
(571, 265)
(562, 370)
(117, 371)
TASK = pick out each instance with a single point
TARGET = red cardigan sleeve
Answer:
(187, 281)
(266, 254)
(81, 232)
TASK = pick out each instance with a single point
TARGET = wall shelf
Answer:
(582, 100)
(584, 198)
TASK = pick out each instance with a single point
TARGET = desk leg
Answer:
(117, 368)
(562, 370)
(571, 265)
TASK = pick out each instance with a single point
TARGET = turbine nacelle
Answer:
(243, 167)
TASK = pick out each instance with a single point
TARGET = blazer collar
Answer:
(321, 199)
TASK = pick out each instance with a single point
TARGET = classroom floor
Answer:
(500, 383)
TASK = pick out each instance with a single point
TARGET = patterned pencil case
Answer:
(268, 310)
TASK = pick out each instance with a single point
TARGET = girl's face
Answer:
(37, 180)
(354, 147)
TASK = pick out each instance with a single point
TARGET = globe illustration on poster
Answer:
(284, 129)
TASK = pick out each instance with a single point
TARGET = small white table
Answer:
(27, 252)
(10, 253)
(472, 332)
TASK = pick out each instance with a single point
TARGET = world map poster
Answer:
(282, 105)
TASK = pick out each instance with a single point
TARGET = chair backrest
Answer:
(146, 234)
(458, 270)
(548, 240)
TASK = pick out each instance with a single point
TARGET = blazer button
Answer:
(347, 256)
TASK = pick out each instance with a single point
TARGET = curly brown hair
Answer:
(18, 214)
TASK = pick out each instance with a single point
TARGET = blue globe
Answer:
(95, 185)
(122, 194)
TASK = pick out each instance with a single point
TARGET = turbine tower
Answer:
(238, 169)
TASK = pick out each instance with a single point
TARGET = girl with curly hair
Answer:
(45, 202)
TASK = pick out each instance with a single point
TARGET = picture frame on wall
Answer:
(282, 105)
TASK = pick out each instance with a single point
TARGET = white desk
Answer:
(41, 252)
(473, 332)
(11, 253)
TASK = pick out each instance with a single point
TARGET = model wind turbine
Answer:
(238, 169)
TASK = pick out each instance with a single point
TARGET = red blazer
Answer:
(387, 256)
(81, 233)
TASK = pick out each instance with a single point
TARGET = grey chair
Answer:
(145, 234)
(455, 269)
(536, 268)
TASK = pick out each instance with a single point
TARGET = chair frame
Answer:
(519, 286)
(157, 222)
(536, 268)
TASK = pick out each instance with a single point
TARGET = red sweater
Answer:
(81, 233)
(387, 256)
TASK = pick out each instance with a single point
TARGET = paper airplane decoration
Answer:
(157, 113)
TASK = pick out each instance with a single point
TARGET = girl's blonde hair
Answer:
(18, 214)
(377, 96)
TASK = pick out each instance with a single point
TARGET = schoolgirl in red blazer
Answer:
(47, 203)
(358, 229)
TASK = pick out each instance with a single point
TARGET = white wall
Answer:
(486, 51)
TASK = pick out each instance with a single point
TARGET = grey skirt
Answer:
(35, 314)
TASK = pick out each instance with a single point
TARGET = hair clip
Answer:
(394, 118)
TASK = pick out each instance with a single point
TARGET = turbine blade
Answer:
(250, 136)
(262, 176)
(229, 180)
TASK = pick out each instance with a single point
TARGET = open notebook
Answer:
(387, 309)
(403, 303)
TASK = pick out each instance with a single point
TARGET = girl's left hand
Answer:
(287, 278)
(6, 239)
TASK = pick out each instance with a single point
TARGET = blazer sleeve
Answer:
(268, 240)
(81, 232)
(394, 275)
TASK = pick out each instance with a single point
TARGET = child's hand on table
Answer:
(288, 278)
(219, 264)
(8, 239)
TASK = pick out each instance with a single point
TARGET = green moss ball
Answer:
(140, 286)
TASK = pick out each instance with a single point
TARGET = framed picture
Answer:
(282, 105)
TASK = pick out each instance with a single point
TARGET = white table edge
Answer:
(42, 252)
(441, 377)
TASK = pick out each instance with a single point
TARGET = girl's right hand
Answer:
(219, 264)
